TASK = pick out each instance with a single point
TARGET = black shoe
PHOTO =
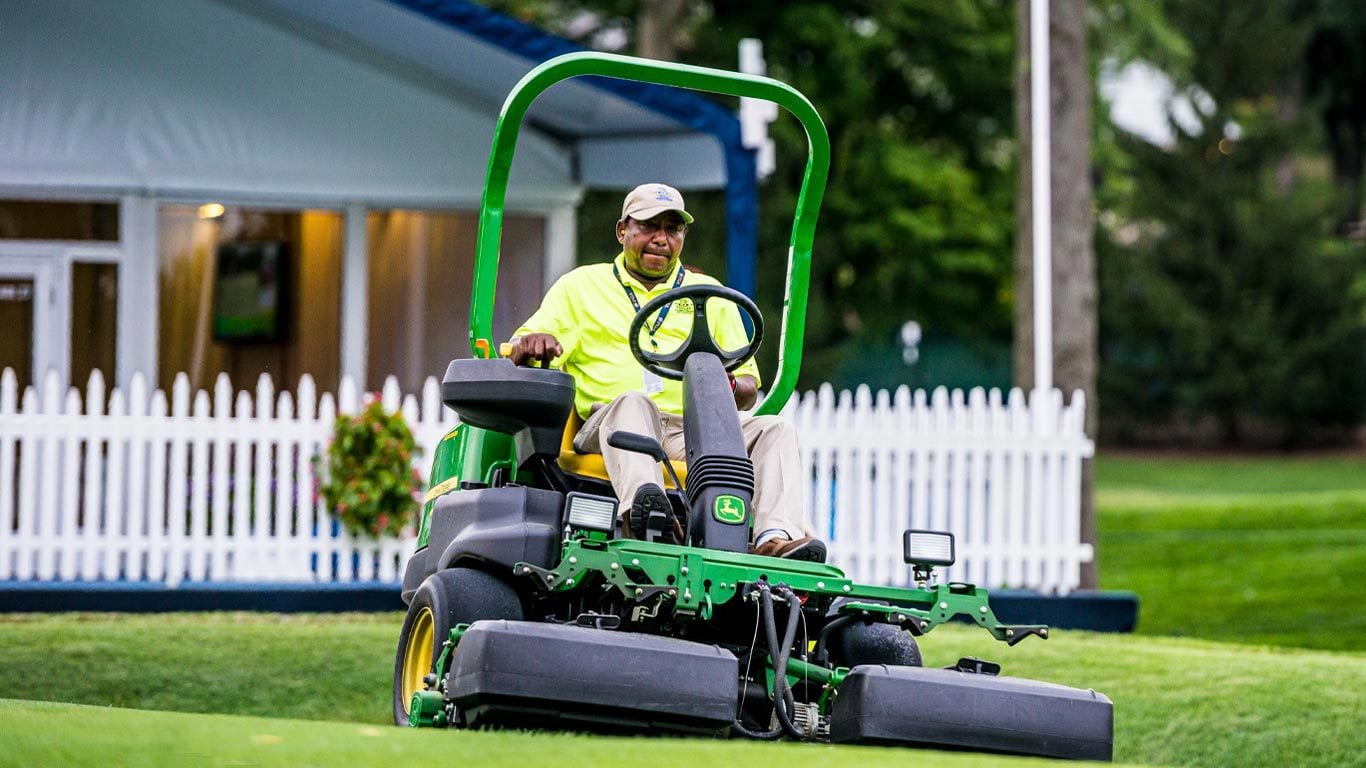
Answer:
(650, 499)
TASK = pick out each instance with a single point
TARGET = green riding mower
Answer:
(527, 607)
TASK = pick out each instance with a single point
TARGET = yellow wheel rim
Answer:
(417, 655)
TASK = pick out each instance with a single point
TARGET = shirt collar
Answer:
(629, 279)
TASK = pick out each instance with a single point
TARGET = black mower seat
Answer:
(531, 404)
(591, 464)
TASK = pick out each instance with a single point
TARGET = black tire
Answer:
(447, 598)
(861, 643)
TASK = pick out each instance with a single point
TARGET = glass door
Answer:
(16, 317)
(25, 318)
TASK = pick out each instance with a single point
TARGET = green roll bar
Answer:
(682, 76)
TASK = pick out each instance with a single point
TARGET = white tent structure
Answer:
(292, 105)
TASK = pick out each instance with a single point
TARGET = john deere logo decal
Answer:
(729, 509)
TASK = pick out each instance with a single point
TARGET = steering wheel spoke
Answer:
(670, 364)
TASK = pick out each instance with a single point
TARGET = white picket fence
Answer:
(1003, 477)
(197, 488)
(220, 487)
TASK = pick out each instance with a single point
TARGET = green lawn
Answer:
(43, 734)
(1265, 550)
(1253, 553)
(1177, 701)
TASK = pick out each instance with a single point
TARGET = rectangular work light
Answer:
(926, 549)
(591, 513)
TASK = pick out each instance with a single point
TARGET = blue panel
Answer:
(688, 109)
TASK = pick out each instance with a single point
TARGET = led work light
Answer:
(591, 513)
(926, 549)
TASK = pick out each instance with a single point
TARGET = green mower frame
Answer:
(507, 573)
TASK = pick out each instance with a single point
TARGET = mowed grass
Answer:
(45, 734)
(1262, 550)
(1177, 702)
(1257, 552)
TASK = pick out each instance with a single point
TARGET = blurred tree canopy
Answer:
(1228, 312)
(918, 215)
(1231, 267)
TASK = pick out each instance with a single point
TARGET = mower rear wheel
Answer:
(447, 598)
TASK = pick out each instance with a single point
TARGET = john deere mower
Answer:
(527, 608)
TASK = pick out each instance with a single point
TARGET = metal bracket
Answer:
(975, 666)
(1014, 634)
(598, 620)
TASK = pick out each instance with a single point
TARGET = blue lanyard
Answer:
(630, 294)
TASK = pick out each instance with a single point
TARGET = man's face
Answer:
(651, 246)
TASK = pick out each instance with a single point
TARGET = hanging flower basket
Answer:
(369, 482)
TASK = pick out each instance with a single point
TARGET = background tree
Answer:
(1228, 312)
(916, 223)
(1230, 304)
(1335, 75)
(1073, 257)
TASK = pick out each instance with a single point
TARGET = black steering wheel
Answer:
(670, 364)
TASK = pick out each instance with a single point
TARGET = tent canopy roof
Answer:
(618, 130)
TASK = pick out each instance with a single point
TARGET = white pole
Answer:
(355, 315)
(1041, 135)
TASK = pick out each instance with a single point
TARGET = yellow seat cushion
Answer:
(591, 464)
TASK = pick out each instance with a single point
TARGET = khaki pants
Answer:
(770, 441)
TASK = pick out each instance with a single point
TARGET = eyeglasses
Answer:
(671, 227)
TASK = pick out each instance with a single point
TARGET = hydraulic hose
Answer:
(782, 691)
(821, 654)
(766, 605)
(783, 700)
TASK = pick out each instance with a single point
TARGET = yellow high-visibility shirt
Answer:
(589, 313)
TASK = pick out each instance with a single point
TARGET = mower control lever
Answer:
(638, 443)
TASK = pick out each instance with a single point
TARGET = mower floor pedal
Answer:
(880, 704)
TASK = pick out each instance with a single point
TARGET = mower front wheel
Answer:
(861, 643)
(447, 598)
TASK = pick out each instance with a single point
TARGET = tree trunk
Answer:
(1074, 272)
(657, 28)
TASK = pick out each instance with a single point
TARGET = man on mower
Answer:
(581, 328)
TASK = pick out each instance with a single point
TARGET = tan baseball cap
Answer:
(649, 200)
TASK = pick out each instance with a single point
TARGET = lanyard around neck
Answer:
(630, 294)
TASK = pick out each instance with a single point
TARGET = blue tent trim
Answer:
(691, 110)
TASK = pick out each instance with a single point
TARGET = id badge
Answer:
(652, 384)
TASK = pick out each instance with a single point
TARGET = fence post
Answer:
(220, 474)
(305, 506)
(244, 555)
(69, 488)
(89, 431)
(199, 488)
(286, 533)
(266, 552)
(329, 555)
(10, 549)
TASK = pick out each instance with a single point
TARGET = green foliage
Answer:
(1226, 305)
(918, 218)
(1335, 79)
(371, 485)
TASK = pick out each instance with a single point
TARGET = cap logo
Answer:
(663, 195)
